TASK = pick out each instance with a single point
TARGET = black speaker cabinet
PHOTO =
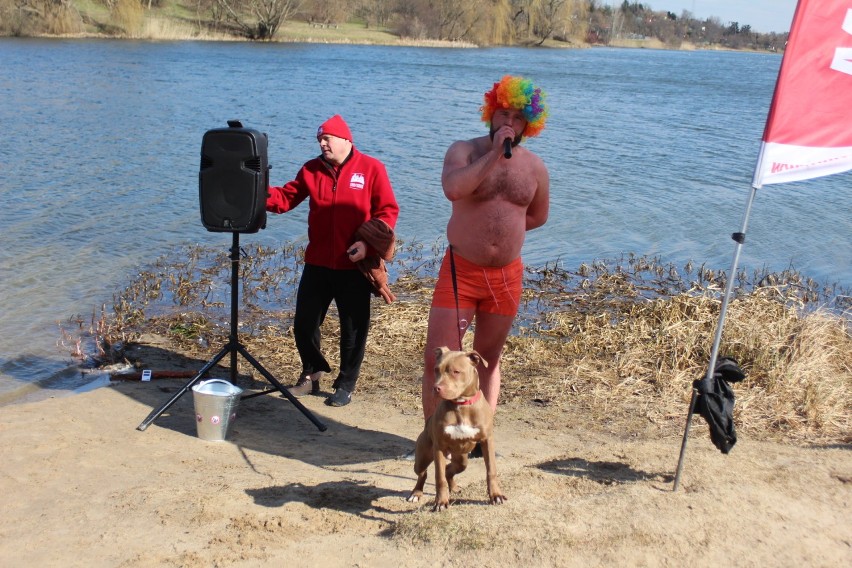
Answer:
(233, 180)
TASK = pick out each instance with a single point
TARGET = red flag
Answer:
(809, 128)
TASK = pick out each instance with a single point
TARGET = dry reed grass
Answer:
(614, 345)
(166, 29)
(39, 17)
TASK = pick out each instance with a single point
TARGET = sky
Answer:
(762, 15)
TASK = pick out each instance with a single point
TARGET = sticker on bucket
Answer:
(216, 402)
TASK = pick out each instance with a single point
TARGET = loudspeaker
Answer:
(234, 179)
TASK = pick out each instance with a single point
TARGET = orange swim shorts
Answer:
(488, 289)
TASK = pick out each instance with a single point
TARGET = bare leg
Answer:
(489, 340)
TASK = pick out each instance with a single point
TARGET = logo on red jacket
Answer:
(356, 181)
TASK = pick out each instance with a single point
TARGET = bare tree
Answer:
(494, 26)
(259, 19)
(25, 17)
(209, 9)
(327, 11)
(549, 18)
(442, 19)
(375, 12)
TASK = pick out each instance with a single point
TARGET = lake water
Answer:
(650, 152)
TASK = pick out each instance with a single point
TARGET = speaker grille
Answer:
(253, 164)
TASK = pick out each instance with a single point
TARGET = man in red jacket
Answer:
(346, 189)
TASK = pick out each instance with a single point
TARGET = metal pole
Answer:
(235, 302)
(707, 382)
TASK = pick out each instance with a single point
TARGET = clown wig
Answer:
(521, 94)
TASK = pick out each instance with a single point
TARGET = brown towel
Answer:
(381, 238)
(378, 235)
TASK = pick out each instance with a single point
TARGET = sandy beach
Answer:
(83, 487)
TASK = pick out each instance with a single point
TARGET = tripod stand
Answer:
(233, 347)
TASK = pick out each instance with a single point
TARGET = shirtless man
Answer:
(495, 200)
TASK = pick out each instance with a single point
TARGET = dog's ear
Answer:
(440, 352)
(476, 359)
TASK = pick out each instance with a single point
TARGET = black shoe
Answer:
(341, 397)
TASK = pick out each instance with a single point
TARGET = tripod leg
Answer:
(322, 427)
(156, 413)
(685, 439)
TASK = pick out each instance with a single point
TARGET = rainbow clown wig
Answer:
(519, 93)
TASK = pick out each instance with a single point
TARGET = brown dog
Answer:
(462, 419)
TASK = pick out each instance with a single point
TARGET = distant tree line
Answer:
(635, 20)
(481, 22)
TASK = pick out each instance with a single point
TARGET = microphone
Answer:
(507, 148)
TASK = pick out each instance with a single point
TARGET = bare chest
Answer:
(514, 185)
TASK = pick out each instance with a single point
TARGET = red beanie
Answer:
(335, 126)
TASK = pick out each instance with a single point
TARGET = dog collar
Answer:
(469, 401)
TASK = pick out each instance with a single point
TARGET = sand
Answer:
(83, 487)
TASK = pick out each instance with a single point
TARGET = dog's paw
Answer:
(414, 497)
(440, 506)
(498, 499)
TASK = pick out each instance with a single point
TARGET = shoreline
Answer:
(771, 331)
(436, 44)
(158, 30)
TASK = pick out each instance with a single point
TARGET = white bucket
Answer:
(216, 402)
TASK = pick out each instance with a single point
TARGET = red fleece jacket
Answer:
(340, 202)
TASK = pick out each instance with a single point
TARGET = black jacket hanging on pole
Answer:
(715, 402)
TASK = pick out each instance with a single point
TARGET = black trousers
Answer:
(351, 292)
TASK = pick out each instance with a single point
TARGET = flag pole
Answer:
(807, 132)
(706, 384)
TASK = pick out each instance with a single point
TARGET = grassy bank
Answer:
(617, 343)
(174, 21)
